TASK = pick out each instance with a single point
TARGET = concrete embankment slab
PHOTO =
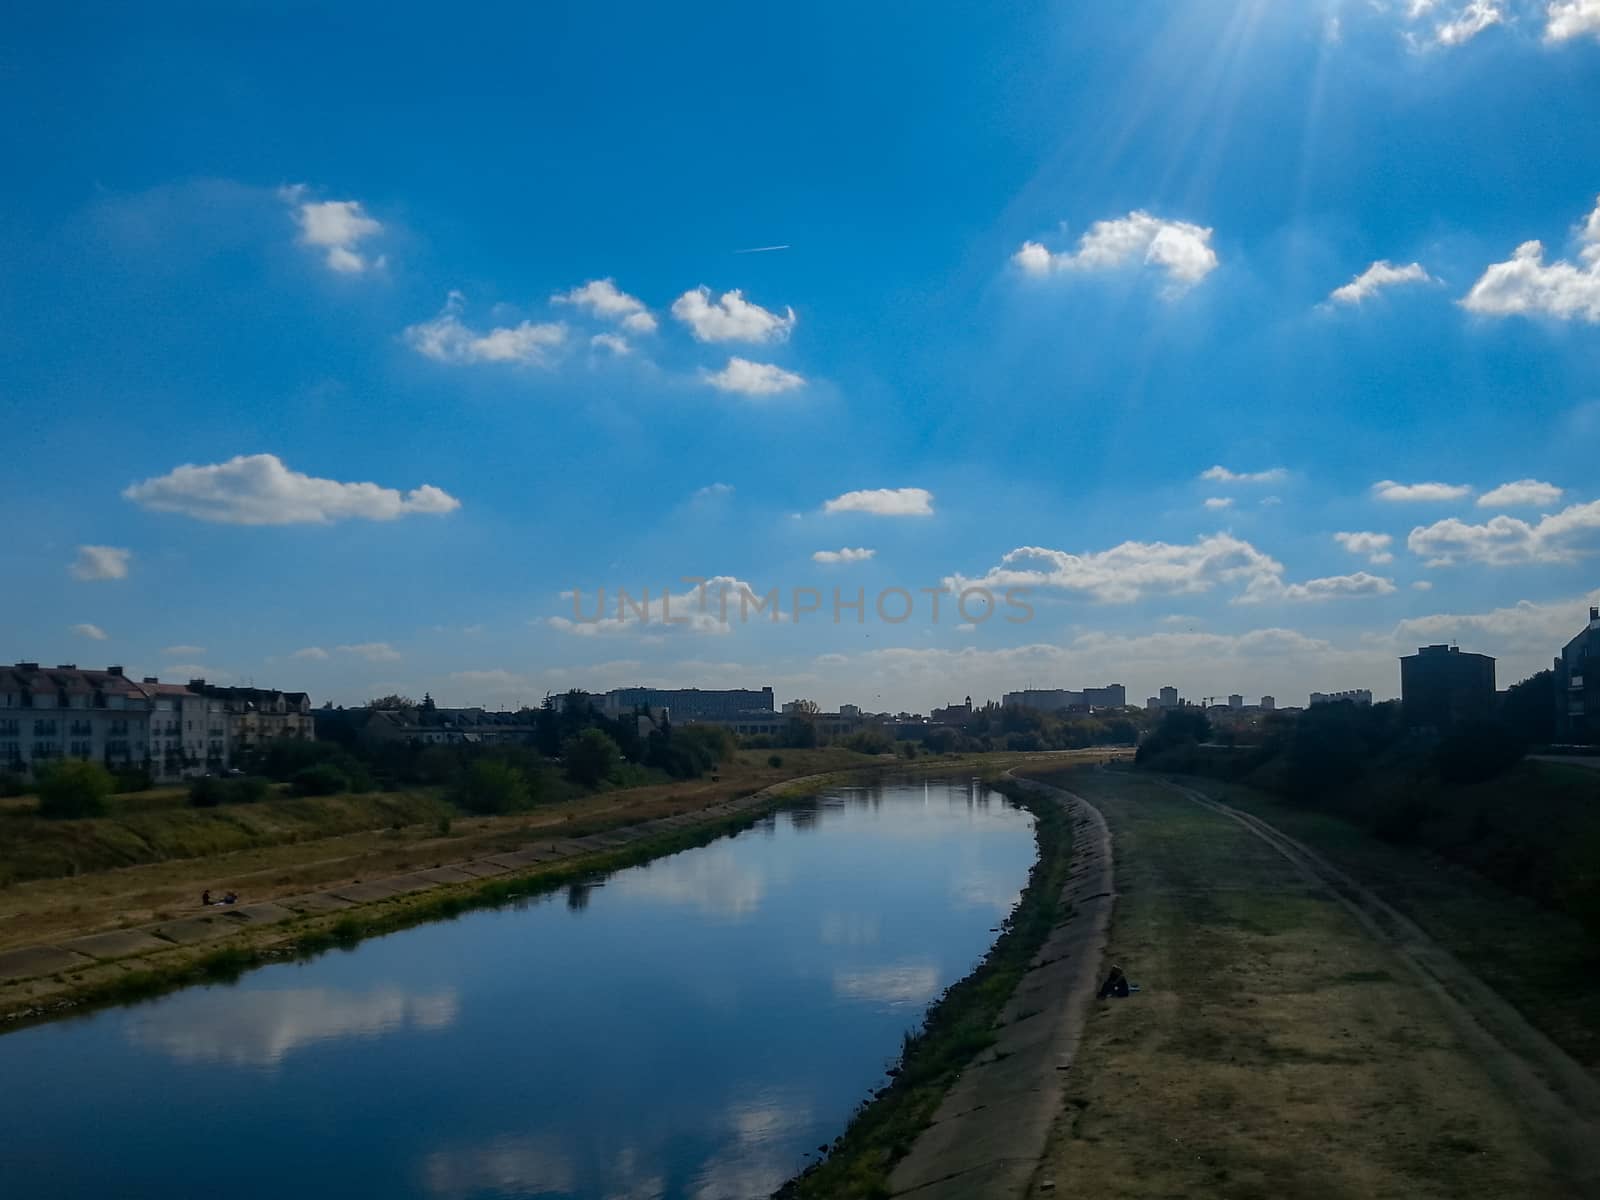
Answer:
(195, 930)
(317, 902)
(40, 960)
(117, 943)
(482, 868)
(990, 1131)
(367, 893)
(261, 914)
(446, 875)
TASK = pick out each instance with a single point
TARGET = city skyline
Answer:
(358, 407)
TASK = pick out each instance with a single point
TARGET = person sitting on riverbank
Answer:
(205, 897)
(230, 898)
(1116, 984)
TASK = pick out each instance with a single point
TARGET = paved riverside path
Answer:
(990, 1132)
(133, 947)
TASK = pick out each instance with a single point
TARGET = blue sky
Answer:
(1056, 281)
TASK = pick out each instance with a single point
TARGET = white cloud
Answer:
(731, 318)
(374, 652)
(337, 226)
(845, 555)
(1471, 20)
(884, 502)
(101, 562)
(1179, 248)
(184, 651)
(1220, 474)
(93, 632)
(1567, 19)
(1526, 284)
(712, 490)
(1522, 636)
(1522, 627)
(753, 379)
(257, 489)
(1126, 572)
(1374, 545)
(310, 653)
(1267, 588)
(1530, 492)
(1507, 541)
(613, 342)
(602, 298)
(1422, 585)
(1403, 493)
(1219, 501)
(447, 339)
(714, 606)
(1379, 275)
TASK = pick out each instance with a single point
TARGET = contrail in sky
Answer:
(761, 249)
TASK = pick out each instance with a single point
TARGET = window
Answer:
(42, 728)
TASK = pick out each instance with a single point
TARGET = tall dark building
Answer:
(1439, 686)
(1577, 682)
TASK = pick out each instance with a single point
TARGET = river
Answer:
(693, 1028)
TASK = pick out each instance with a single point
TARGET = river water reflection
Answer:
(691, 1028)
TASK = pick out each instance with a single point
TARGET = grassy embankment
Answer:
(115, 982)
(1275, 1048)
(150, 858)
(957, 1027)
(1539, 958)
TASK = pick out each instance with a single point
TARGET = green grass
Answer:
(957, 1027)
(1540, 960)
(32, 847)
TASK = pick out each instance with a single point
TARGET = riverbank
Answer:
(42, 980)
(976, 1091)
(1281, 1042)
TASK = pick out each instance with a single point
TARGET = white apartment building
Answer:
(52, 713)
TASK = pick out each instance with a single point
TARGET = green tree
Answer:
(1529, 708)
(493, 786)
(322, 779)
(74, 788)
(590, 757)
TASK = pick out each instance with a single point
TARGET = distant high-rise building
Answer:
(1268, 703)
(849, 710)
(688, 703)
(1439, 686)
(1577, 685)
(1169, 697)
(1113, 695)
(1360, 697)
(1235, 701)
(1153, 704)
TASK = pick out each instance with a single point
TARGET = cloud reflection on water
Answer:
(911, 983)
(713, 879)
(504, 1166)
(260, 1029)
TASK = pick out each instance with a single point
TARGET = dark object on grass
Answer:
(1116, 984)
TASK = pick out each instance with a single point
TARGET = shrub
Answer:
(74, 788)
(1477, 750)
(132, 779)
(590, 757)
(774, 760)
(207, 792)
(321, 779)
(12, 784)
(493, 786)
(869, 741)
